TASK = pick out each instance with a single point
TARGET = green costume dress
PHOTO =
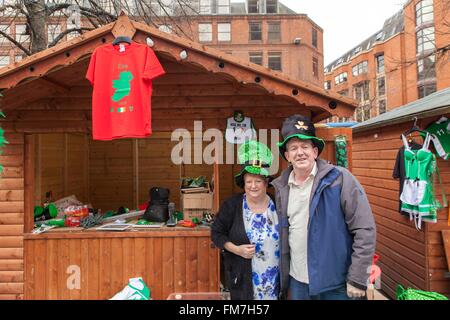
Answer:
(418, 198)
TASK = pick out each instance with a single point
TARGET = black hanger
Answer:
(121, 39)
(414, 128)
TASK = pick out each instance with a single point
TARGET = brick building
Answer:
(265, 32)
(404, 61)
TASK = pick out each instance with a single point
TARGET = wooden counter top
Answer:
(78, 233)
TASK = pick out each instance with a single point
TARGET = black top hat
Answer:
(301, 127)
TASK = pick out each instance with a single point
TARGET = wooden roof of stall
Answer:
(55, 78)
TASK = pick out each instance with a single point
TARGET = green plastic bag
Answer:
(136, 289)
(414, 294)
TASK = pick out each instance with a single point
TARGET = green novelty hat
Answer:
(255, 158)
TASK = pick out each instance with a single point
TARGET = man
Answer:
(327, 228)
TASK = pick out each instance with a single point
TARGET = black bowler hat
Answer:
(301, 127)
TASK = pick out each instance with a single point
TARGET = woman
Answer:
(246, 229)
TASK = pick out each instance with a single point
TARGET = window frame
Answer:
(252, 32)
(219, 33)
(256, 54)
(272, 55)
(200, 33)
(271, 32)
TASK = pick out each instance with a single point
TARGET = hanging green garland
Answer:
(341, 151)
(2, 136)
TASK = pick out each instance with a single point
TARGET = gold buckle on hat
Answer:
(256, 163)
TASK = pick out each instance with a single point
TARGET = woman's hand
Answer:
(246, 251)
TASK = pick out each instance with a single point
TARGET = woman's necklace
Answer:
(258, 208)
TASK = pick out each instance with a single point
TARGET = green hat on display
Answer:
(255, 158)
(300, 127)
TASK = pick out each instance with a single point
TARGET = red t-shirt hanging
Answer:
(122, 79)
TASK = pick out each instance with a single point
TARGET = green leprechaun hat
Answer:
(301, 127)
(255, 158)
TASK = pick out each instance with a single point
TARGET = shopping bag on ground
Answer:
(136, 289)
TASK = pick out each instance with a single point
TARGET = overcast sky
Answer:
(345, 22)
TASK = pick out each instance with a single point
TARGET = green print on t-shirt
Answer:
(122, 86)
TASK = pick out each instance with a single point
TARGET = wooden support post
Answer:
(87, 191)
(65, 166)
(136, 172)
(29, 178)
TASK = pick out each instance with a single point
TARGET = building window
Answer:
(425, 40)
(360, 68)
(224, 32)
(344, 93)
(271, 6)
(275, 61)
(342, 77)
(4, 61)
(20, 33)
(426, 89)
(255, 31)
(53, 31)
(426, 68)
(253, 6)
(379, 36)
(380, 63)
(424, 12)
(361, 92)
(18, 58)
(162, 7)
(327, 85)
(167, 28)
(359, 114)
(381, 106)
(274, 31)
(223, 6)
(315, 67)
(314, 37)
(357, 50)
(381, 86)
(205, 32)
(205, 7)
(256, 57)
(366, 112)
(4, 28)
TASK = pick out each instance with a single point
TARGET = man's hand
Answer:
(353, 292)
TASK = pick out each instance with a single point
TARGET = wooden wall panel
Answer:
(61, 166)
(168, 261)
(408, 257)
(12, 210)
(111, 174)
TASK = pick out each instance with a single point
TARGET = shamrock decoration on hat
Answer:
(300, 127)
(255, 158)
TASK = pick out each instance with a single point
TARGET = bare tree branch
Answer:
(65, 32)
(15, 42)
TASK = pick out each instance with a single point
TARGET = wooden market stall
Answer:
(47, 101)
(408, 257)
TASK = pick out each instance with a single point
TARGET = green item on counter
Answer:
(195, 220)
(38, 211)
(53, 211)
(51, 222)
(108, 214)
(143, 222)
(178, 215)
